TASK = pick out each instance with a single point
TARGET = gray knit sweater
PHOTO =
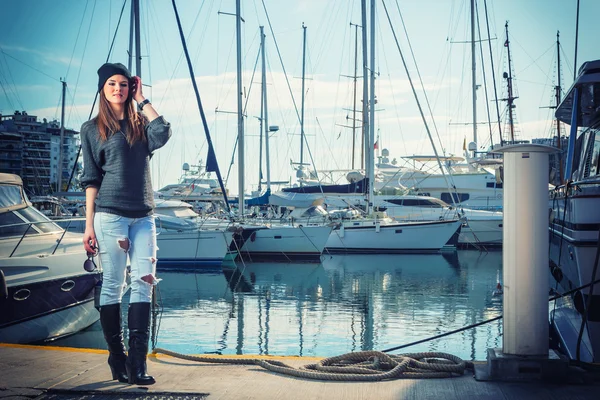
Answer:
(120, 171)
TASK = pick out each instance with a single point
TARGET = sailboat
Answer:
(472, 178)
(255, 240)
(378, 233)
(575, 218)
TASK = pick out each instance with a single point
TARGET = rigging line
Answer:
(290, 89)
(450, 178)
(534, 61)
(72, 96)
(13, 89)
(27, 65)
(419, 75)
(329, 147)
(330, 140)
(10, 103)
(280, 59)
(94, 103)
(201, 109)
(77, 38)
(485, 88)
(415, 94)
(487, 23)
(566, 58)
(83, 55)
(243, 112)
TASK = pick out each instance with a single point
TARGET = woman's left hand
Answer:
(136, 89)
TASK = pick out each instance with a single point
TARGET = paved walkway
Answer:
(30, 372)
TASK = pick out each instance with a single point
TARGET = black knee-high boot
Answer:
(110, 319)
(139, 331)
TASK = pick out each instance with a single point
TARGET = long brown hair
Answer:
(108, 122)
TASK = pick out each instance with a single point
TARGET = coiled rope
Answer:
(362, 366)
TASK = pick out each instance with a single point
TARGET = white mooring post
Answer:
(525, 352)
(525, 249)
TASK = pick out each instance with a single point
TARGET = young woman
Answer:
(117, 145)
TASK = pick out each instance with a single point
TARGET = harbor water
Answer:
(345, 303)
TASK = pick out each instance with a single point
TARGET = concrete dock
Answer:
(35, 372)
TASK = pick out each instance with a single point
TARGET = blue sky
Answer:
(45, 40)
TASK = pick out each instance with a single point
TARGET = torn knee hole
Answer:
(124, 243)
(149, 279)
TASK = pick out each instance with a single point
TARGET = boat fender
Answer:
(3, 288)
(253, 236)
(499, 290)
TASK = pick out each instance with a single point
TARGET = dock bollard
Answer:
(525, 353)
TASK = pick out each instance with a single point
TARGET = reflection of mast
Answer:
(368, 321)
(300, 326)
(240, 325)
(267, 309)
(260, 331)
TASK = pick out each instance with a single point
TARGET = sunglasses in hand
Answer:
(89, 265)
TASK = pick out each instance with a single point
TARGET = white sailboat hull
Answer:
(283, 242)
(414, 237)
(192, 248)
(481, 228)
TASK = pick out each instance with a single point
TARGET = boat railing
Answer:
(29, 225)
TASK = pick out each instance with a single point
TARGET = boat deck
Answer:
(28, 372)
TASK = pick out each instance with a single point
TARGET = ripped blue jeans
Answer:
(117, 238)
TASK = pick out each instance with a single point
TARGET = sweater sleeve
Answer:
(92, 174)
(158, 133)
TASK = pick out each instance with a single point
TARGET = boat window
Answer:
(458, 197)
(42, 223)
(395, 201)
(493, 185)
(595, 160)
(10, 195)
(10, 218)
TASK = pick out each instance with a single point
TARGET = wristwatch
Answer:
(142, 104)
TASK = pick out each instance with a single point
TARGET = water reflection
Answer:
(346, 303)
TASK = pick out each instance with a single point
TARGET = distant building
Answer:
(30, 149)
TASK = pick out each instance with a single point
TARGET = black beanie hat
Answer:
(108, 70)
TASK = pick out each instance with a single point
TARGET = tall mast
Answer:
(355, 81)
(302, 110)
(365, 109)
(238, 35)
(473, 72)
(262, 113)
(558, 98)
(487, 23)
(62, 138)
(370, 142)
(510, 99)
(138, 56)
(131, 25)
(265, 108)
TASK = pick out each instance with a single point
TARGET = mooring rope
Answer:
(365, 366)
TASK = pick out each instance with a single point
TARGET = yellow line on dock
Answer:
(100, 351)
(59, 348)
